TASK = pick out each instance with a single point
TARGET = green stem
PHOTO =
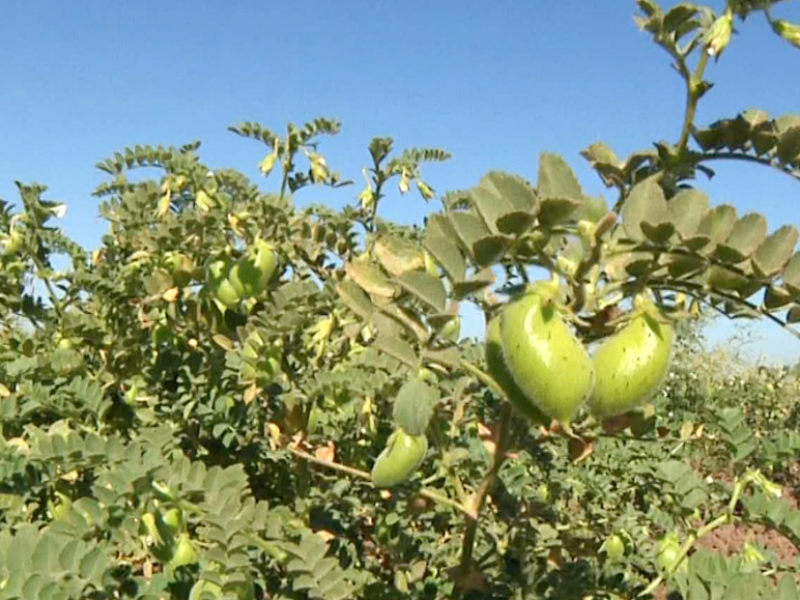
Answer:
(285, 181)
(721, 520)
(54, 299)
(379, 180)
(693, 93)
(737, 492)
(482, 376)
(583, 270)
(687, 545)
(461, 494)
(503, 437)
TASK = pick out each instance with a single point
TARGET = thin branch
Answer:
(330, 464)
(689, 287)
(425, 493)
(693, 289)
(482, 376)
(765, 162)
(687, 545)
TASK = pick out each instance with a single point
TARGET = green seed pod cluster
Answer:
(546, 373)
(219, 284)
(168, 537)
(180, 267)
(233, 281)
(631, 365)
(260, 362)
(400, 459)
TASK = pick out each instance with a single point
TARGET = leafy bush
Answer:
(193, 409)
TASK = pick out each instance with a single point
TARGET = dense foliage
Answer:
(236, 397)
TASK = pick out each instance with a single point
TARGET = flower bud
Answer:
(718, 35)
(788, 31)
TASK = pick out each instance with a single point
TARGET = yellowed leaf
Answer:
(251, 394)
(171, 295)
(274, 435)
(326, 535)
(222, 341)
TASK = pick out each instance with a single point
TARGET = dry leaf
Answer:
(327, 452)
(614, 425)
(487, 437)
(71, 476)
(580, 449)
(555, 559)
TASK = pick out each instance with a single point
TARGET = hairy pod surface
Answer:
(400, 459)
(631, 365)
(499, 371)
(547, 362)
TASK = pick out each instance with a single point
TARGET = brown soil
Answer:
(730, 539)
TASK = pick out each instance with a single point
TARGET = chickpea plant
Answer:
(236, 397)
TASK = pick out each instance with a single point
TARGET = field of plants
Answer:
(234, 397)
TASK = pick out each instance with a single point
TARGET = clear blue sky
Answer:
(495, 83)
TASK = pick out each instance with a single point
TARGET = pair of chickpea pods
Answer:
(547, 373)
